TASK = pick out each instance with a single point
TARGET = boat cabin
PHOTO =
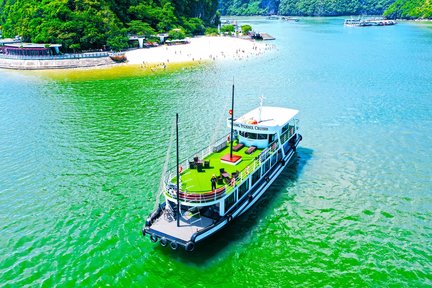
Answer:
(261, 126)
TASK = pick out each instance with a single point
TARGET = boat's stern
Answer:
(162, 225)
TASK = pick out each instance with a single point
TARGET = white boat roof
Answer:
(270, 117)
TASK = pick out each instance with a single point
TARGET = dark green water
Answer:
(80, 163)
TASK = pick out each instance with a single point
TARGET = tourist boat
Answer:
(368, 22)
(222, 181)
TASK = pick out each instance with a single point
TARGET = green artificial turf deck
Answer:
(200, 182)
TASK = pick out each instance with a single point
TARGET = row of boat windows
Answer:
(254, 136)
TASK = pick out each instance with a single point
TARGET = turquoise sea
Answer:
(81, 158)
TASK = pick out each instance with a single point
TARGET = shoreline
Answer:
(200, 50)
(206, 48)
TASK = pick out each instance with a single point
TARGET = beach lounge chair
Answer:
(251, 150)
(238, 147)
(206, 163)
(223, 173)
(200, 167)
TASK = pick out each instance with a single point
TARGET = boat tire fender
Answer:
(250, 197)
(283, 162)
(190, 246)
(230, 218)
(153, 238)
(143, 232)
(174, 245)
(163, 241)
(267, 179)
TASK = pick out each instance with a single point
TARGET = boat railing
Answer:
(209, 196)
(201, 154)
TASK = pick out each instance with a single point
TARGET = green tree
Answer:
(139, 27)
(228, 28)
(177, 33)
(246, 29)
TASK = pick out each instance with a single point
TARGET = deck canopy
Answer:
(268, 121)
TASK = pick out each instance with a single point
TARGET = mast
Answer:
(178, 172)
(232, 122)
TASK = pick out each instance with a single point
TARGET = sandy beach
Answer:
(200, 49)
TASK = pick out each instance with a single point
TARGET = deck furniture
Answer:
(192, 165)
(206, 163)
(200, 166)
(238, 147)
(251, 150)
(198, 162)
(235, 174)
(219, 180)
(223, 173)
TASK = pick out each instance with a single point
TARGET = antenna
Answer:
(260, 108)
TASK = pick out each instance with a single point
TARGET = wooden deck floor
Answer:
(188, 226)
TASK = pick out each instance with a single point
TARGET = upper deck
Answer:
(199, 180)
(267, 120)
(250, 149)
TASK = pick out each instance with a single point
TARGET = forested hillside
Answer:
(410, 9)
(81, 25)
(390, 8)
(304, 7)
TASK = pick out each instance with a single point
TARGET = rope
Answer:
(219, 123)
(165, 167)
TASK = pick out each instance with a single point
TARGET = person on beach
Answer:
(213, 182)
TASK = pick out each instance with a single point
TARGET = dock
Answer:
(266, 36)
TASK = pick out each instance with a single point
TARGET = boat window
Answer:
(243, 189)
(256, 176)
(253, 136)
(229, 201)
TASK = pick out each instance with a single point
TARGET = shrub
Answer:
(246, 29)
(176, 33)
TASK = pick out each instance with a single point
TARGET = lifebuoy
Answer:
(163, 242)
(228, 138)
(174, 245)
(233, 181)
(180, 169)
(153, 238)
(190, 246)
